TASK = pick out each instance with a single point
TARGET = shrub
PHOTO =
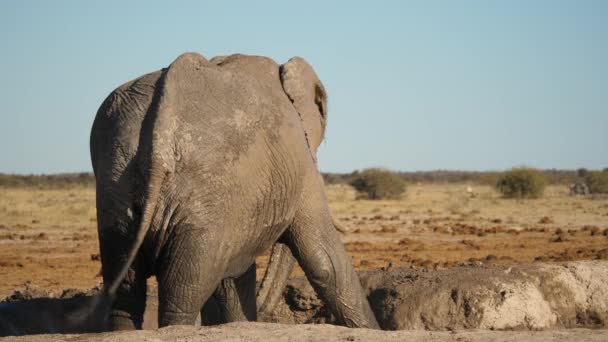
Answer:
(521, 183)
(378, 184)
(597, 181)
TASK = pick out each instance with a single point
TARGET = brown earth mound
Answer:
(524, 297)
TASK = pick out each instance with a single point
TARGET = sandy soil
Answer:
(320, 332)
(48, 238)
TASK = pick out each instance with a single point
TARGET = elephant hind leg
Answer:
(129, 302)
(245, 293)
(232, 301)
(187, 276)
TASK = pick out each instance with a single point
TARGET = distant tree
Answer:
(522, 182)
(378, 183)
(582, 173)
(597, 181)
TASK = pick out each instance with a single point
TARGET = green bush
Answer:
(378, 184)
(521, 183)
(597, 181)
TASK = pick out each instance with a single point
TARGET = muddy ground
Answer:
(537, 296)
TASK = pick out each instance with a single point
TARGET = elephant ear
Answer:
(306, 92)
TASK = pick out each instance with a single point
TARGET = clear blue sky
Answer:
(413, 85)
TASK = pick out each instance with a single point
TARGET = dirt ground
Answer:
(48, 238)
(250, 331)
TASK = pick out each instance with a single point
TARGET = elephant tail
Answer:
(157, 159)
(157, 176)
(100, 305)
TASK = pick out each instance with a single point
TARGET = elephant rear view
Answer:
(202, 166)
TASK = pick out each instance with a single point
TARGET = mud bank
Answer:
(519, 297)
(522, 297)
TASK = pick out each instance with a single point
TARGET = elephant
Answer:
(202, 166)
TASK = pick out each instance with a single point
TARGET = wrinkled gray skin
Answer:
(226, 304)
(202, 166)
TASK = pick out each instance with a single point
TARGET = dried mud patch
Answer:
(523, 297)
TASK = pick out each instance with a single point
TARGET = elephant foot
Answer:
(124, 321)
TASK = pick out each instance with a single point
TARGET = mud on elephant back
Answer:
(202, 166)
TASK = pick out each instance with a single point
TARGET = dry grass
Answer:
(49, 238)
(431, 200)
(74, 207)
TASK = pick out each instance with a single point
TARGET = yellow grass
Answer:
(74, 207)
(426, 200)
(49, 237)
